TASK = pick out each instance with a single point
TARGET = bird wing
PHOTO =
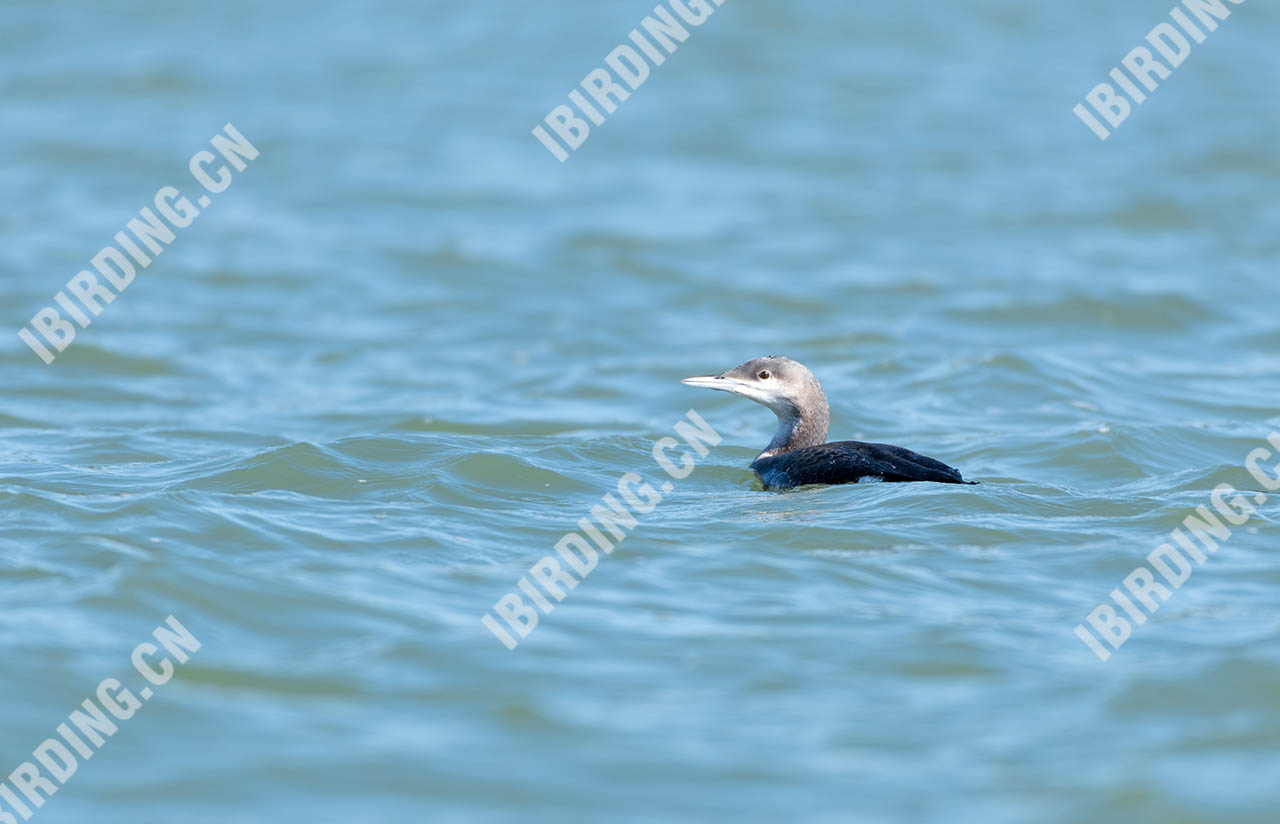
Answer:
(843, 462)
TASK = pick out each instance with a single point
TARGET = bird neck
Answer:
(798, 428)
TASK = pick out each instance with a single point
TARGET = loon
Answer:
(798, 454)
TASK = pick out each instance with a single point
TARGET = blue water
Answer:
(388, 368)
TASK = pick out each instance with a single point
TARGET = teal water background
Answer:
(406, 350)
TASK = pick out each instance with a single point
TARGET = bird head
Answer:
(783, 385)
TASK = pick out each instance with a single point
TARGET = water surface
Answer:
(407, 350)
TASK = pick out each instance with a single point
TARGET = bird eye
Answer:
(764, 375)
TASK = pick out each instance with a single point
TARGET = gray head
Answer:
(786, 387)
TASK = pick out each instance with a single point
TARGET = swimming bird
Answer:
(798, 454)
